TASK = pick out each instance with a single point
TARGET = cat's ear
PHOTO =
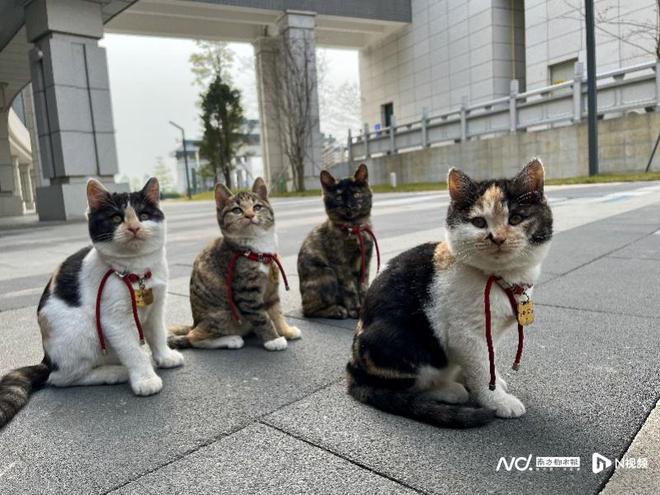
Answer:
(327, 180)
(461, 188)
(361, 174)
(151, 190)
(97, 194)
(260, 188)
(531, 178)
(222, 194)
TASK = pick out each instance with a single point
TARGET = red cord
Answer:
(489, 334)
(127, 280)
(357, 230)
(99, 330)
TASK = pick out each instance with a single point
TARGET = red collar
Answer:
(511, 291)
(357, 229)
(265, 258)
(129, 279)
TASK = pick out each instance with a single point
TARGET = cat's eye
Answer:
(515, 219)
(479, 222)
(237, 210)
(144, 216)
(117, 219)
(357, 194)
(257, 207)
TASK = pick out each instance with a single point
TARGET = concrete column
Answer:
(285, 63)
(72, 103)
(276, 166)
(11, 202)
(26, 172)
(36, 177)
(297, 29)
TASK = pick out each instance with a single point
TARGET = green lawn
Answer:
(439, 186)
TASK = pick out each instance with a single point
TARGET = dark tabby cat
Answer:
(332, 281)
(247, 223)
(420, 343)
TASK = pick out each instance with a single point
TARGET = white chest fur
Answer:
(457, 310)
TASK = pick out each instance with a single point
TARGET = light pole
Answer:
(591, 87)
(185, 156)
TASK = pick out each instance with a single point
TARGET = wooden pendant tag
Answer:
(526, 312)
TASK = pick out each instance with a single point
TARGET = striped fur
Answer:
(16, 387)
(247, 221)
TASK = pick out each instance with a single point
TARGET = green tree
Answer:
(222, 117)
(213, 59)
(164, 175)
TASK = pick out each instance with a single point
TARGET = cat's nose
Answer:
(134, 230)
(249, 214)
(498, 240)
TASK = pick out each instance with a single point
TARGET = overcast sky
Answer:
(151, 84)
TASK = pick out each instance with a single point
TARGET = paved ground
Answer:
(251, 421)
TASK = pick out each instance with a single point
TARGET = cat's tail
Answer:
(420, 407)
(178, 337)
(17, 385)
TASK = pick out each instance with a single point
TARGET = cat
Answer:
(127, 231)
(420, 349)
(221, 319)
(333, 278)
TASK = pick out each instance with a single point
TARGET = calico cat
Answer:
(333, 278)
(224, 312)
(128, 237)
(420, 349)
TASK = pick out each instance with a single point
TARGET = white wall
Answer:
(457, 48)
(451, 49)
(555, 33)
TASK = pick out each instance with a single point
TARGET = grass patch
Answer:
(380, 188)
(441, 186)
(604, 178)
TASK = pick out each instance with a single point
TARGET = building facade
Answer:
(465, 52)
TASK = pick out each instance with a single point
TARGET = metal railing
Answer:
(621, 90)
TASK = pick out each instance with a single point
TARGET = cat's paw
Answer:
(278, 344)
(232, 341)
(337, 312)
(147, 386)
(501, 383)
(170, 359)
(292, 333)
(509, 406)
(451, 393)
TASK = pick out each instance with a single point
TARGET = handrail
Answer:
(563, 102)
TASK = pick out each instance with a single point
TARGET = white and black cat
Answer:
(420, 348)
(128, 241)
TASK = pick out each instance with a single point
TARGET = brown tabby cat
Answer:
(245, 255)
(333, 279)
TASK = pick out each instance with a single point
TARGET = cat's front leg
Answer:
(155, 333)
(472, 355)
(351, 295)
(281, 325)
(262, 326)
(141, 375)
